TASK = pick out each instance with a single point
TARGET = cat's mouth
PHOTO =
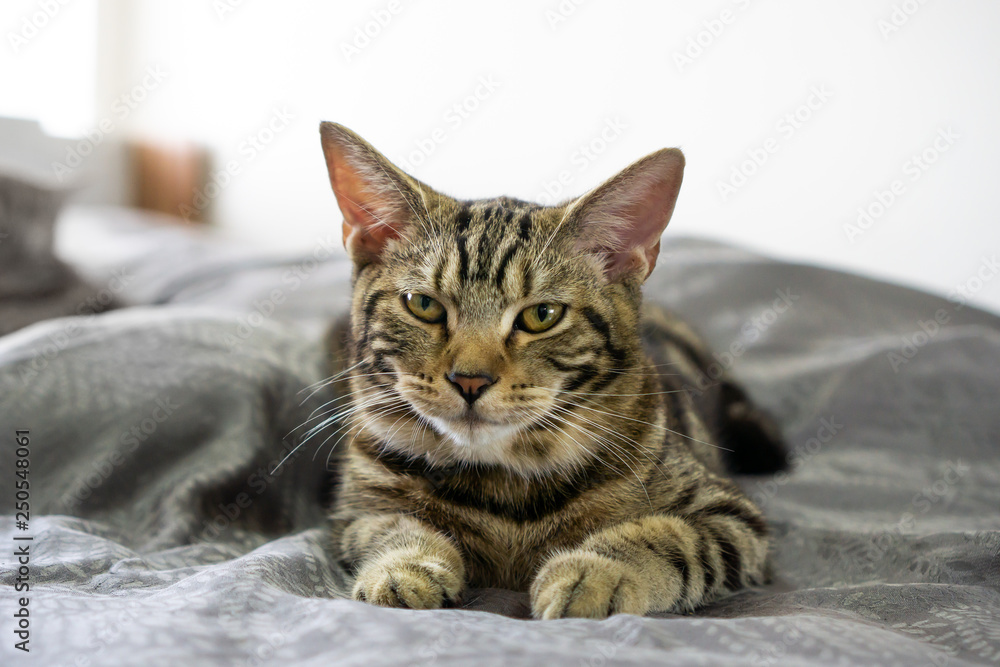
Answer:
(476, 433)
(473, 419)
(473, 430)
(471, 422)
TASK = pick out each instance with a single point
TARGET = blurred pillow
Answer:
(34, 284)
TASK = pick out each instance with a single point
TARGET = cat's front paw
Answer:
(407, 579)
(584, 584)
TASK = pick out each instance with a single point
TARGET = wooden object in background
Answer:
(171, 179)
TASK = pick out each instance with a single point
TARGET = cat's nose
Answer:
(470, 387)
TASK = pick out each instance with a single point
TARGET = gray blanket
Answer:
(165, 532)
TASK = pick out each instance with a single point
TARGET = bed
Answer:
(163, 535)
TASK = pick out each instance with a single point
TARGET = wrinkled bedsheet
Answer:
(164, 531)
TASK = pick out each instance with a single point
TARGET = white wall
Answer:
(560, 83)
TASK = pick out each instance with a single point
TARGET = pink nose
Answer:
(470, 387)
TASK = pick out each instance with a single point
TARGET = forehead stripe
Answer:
(439, 272)
(483, 256)
(524, 226)
(463, 218)
(502, 269)
(463, 259)
(528, 283)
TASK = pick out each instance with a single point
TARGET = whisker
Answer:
(611, 448)
(348, 428)
(640, 449)
(346, 396)
(372, 419)
(388, 435)
(309, 435)
(348, 378)
(332, 378)
(606, 429)
(354, 409)
(650, 393)
(662, 428)
(314, 414)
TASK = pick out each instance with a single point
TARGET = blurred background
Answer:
(860, 135)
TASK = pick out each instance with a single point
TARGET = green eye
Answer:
(424, 307)
(540, 317)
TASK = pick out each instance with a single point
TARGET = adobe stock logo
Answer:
(787, 127)
(913, 169)
(454, 117)
(712, 30)
(562, 12)
(752, 330)
(251, 146)
(899, 17)
(586, 153)
(364, 35)
(121, 108)
(35, 23)
(828, 429)
(225, 7)
(930, 328)
(102, 467)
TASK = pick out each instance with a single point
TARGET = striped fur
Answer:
(584, 474)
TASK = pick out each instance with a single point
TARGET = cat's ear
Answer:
(622, 219)
(378, 200)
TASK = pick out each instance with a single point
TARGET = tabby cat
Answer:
(517, 418)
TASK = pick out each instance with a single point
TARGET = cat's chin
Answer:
(477, 439)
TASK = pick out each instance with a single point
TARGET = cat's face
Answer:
(494, 331)
(484, 331)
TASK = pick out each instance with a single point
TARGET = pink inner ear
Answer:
(626, 216)
(359, 206)
(365, 231)
(649, 216)
(368, 218)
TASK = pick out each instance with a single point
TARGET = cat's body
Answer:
(508, 427)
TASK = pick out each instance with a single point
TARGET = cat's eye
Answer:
(540, 317)
(424, 307)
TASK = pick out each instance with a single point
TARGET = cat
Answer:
(516, 416)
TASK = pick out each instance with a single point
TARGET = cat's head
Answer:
(495, 331)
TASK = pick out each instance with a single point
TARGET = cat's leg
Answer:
(402, 562)
(657, 563)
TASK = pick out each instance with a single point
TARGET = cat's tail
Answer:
(750, 439)
(753, 441)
